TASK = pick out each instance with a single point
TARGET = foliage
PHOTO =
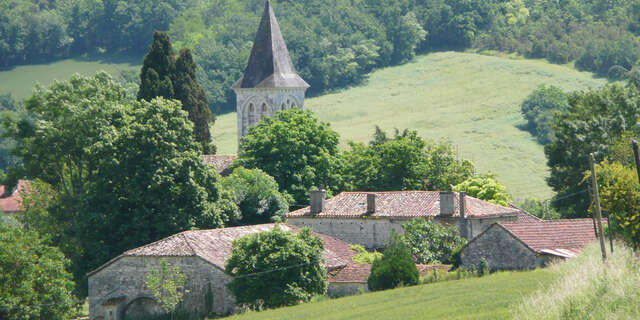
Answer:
(406, 162)
(395, 268)
(539, 208)
(33, 281)
(296, 149)
(194, 101)
(363, 256)
(163, 75)
(539, 107)
(277, 268)
(485, 187)
(166, 285)
(256, 195)
(430, 242)
(117, 173)
(483, 268)
(591, 124)
(587, 288)
(620, 197)
(158, 69)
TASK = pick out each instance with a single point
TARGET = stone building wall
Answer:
(342, 289)
(127, 276)
(501, 250)
(374, 233)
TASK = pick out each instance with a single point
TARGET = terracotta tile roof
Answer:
(401, 204)
(523, 216)
(13, 202)
(358, 273)
(558, 237)
(214, 246)
(222, 162)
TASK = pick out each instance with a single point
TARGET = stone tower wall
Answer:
(250, 103)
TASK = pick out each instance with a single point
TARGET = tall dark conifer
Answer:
(188, 90)
(157, 69)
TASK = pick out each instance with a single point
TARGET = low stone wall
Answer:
(127, 277)
(342, 289)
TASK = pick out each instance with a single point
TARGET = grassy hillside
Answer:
(471, 99)
(20, 80)
(491, 297)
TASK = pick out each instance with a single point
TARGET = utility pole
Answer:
(636, 157)
(596, 197)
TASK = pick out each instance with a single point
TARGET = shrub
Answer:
(431, 242)
(483, 268)
(395, 268)
(363, 256)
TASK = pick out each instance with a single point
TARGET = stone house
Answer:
(367, 218)
(117, 288)
(352, 279)
(513, 245)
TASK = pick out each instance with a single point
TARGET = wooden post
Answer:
(596, 197)
(610, 231)
(636, 156)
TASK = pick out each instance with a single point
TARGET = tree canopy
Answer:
(277, 267)
(297, 150)
(485, 187)
(404, 162)
(33, 281)
(395, 268)
(256, 195)
(117, 173)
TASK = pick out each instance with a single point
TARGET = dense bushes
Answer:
(431, 242)
(539, 107)
(395, 268)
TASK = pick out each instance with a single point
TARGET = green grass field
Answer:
(20, 80)
(490, 297)
(471, 99)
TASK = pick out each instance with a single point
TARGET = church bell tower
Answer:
(270, 83)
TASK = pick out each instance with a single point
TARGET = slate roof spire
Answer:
(269, 64)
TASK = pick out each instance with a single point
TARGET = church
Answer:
(270, 83)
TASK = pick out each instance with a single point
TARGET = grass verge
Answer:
(589, 289)
(490, 297)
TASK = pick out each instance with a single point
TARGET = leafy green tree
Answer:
(167, 285)
(592, 123)
(540, 106)
(431, 242)
(620, 197)
(256, 195)
(296, 149)
(485, 187)
(158, 69)
(539, 208)
(194, 101)
(406, 162)
(395, 268)
(277, 267)
(363, 256)
(120, 172)
(33, 281)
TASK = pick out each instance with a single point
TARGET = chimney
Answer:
(446, 203)
(371, 203)
(463, 217)
(317, 200)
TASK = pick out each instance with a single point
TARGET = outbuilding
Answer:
(516, 246)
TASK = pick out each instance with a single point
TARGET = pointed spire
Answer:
(269, 64)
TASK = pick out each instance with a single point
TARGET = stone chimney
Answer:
(446, 203)
(463, 217)
(317, 200)
(371, 203)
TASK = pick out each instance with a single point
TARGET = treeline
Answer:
(334, 43)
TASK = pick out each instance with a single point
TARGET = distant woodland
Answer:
(335, 43)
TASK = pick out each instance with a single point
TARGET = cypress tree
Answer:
(194, 101)
(157, 69)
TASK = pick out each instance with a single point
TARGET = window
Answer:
(293, 105)
(264, 107)
(252, 114)
(283, 107)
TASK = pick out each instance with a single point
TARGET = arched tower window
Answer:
(264, 111)
(252, 114)
(293, 105)
(283, 107)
